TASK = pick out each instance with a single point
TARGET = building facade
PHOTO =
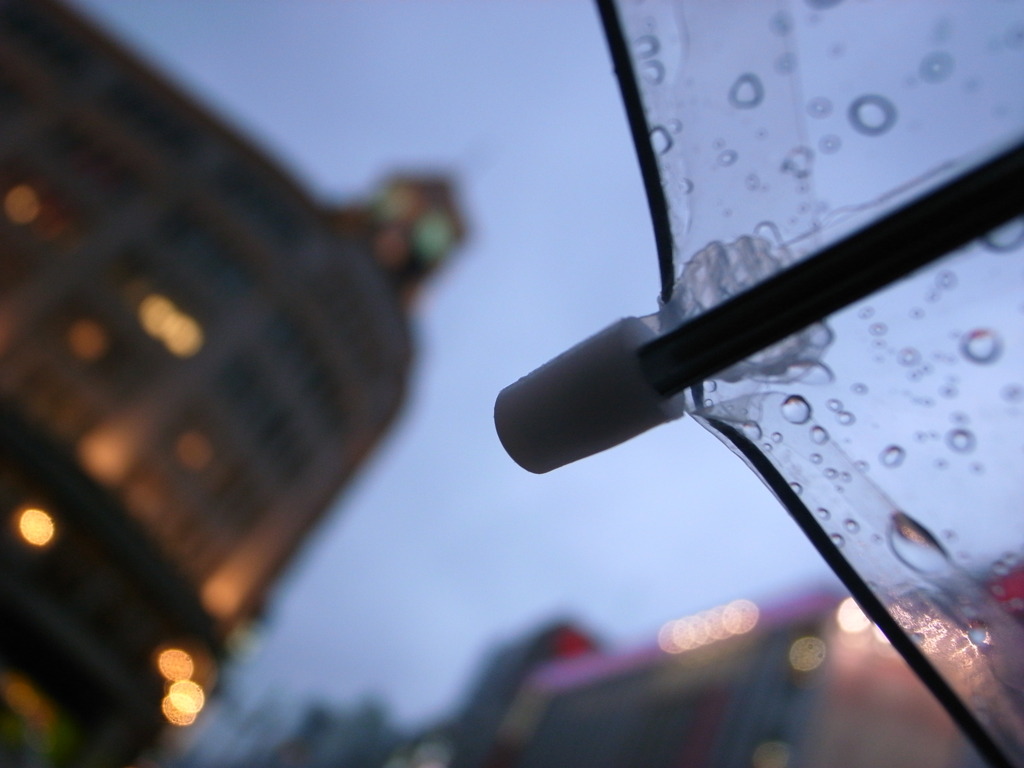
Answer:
(807, 683)
(195, 356)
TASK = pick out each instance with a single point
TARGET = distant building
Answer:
(807, 684)
(194, 358)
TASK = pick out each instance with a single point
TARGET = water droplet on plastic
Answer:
(838, 540)
(835, 405)
(961, 440)
(831, 473)
(909, 356)
(1006, 238)
(727, 157)
(816, 458)
(1012, 393)
(851, 525)
(819, 107)
(822, 513)
(978, 633)
(830, 144)
(653, 71)
(785, 63)
(893, 456)
(819, 435)
(915, 546)
(981, 346)
(878, 329)
(797, 488)
(845, 418)
(751, 430)
(936, 67)
(747, 92)
(661, 140)
(796, 410)
(776, 437)
(872, 114)
(860, 389)
(798, 162)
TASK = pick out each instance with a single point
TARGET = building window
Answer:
(32, 204)
(206, 252)
(262, 206)
(152, 119)
(97, 165)
(52, 45)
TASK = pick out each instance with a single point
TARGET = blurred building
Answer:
(196, 356)
(806, 684)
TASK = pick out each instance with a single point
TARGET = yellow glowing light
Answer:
(162, 319)
(36, 527)
(850, 617)
(22, 204)
(807, 654)
(175, 664)
(87, 340)
(174, 715)
(770, 754)
(186, 696)
(736, 618)
(193, 450)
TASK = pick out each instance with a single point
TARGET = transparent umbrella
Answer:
(837, 192)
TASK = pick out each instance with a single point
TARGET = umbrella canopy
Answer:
(837, 206)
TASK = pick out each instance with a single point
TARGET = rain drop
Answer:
(936, 67)
(819, 435)
(830, 144)
(838, 540)
(835, 405)
(915, 546)
(878, 329)
(909, 356)
(860, 389)
(981, 346)
(851, 525)
(796, 410)
(661, 140)
(845, 418)
(892, 456)
(798, 162)
(978, 633)
(653, 71)
(822, 513)
(872, 115)
(816, 458)
(727, 157)
(751, 430)
(747, 92)
(819, 107)
(1006, 238)
(797, 488)
(961, 440)
(776, 437)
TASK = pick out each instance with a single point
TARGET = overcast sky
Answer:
(443, 546)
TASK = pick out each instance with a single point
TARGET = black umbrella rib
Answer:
(891, 248)
(640, 131)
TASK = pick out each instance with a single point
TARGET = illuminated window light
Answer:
(175, 664)
(176, 716)
(851, 618)
(36, 527)
(22, 204)
(186, 696)
(193, 450)
(87, 340)
(807, 654)
(162, 319)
